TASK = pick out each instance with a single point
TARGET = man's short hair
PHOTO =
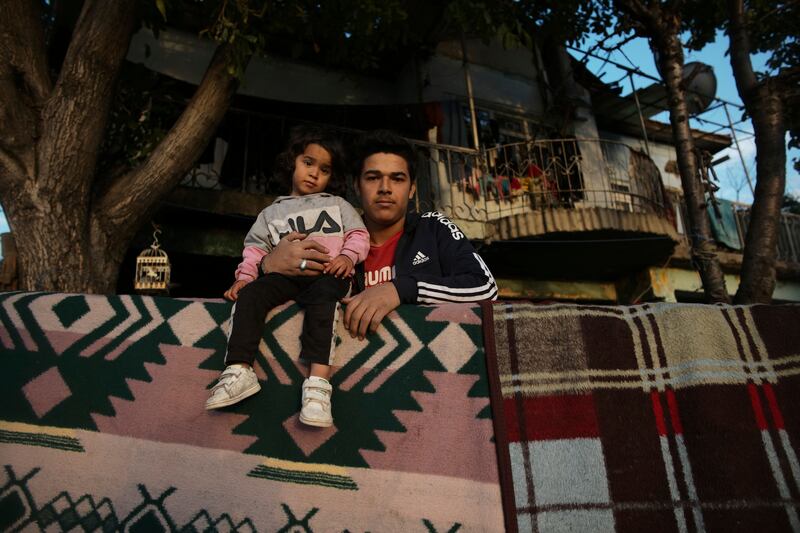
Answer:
(383, 142)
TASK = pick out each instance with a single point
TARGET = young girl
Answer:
(313, 159)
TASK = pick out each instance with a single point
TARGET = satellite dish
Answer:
(701, 86)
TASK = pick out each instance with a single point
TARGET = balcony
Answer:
(730, 250)
(536, 188)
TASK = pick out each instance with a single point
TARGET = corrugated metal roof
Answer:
(543, 221)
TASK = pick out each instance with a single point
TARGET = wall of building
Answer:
(666, 281)
(185, 56)
(504, 77)
(663, 155)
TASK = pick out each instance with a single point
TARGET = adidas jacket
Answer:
(435, 263)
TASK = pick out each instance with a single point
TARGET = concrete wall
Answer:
(504, 77)
(661, 154)
(666, 281)
(184, 56)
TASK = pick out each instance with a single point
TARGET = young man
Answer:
(416, 259)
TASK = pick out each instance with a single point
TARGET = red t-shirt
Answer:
(379, 265)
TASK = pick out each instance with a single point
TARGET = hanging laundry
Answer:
(474, 177)
(503, 187)
(434, 118)
(516, 186)
(489, 185)
(534, 171)
(454, 127)
(723, 224)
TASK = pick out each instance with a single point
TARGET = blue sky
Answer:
(3, 227)
(731, 174)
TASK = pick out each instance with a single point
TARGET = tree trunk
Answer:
(52, 244)
(703, 250)
(761, 242)
(764, 103)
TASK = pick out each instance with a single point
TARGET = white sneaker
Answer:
(316, 401)
(236, 383)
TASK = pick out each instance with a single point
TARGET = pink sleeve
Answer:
(356, 245)
(248, 268)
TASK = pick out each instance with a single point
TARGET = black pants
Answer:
(318, 295)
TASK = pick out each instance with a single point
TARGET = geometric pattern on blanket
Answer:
(102, 422)
(657, 417)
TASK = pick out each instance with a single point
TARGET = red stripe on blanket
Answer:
(673, 412)
(757, 408)
(659, 412)
(552, 417)
(773, 406)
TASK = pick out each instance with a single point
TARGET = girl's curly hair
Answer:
(299, 138)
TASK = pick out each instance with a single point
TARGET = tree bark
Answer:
(71, 236)
(661, 25)
(24, 85)
(764, 102)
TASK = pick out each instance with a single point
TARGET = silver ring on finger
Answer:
(303, 265)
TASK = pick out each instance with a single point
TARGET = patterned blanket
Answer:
(102, 423)
(647, 418)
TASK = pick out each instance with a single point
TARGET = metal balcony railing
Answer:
(788, 233)
(555, 173)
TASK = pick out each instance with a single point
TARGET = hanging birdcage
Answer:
(152, 268)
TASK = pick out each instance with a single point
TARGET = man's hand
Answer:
(366, 309)
(286, 256)
(340, 267)
(232, 294)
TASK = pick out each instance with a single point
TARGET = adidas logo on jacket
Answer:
(435, 264)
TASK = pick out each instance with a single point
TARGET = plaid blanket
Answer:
(647, 418)
(103, 427)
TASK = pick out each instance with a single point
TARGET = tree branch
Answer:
(649, 17)
(75, 117)
(741, 64)
(616, 46)
(123, 203)
(22, 45)
(18, 125)
(24, 85)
